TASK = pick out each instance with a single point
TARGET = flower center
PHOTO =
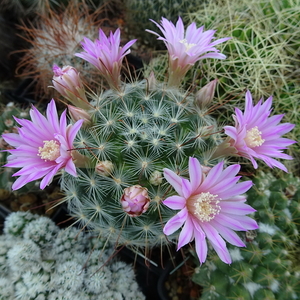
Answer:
(50, 150)
(205, 206)
(253, 137)
(187, 45)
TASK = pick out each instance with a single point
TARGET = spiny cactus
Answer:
(261, 56)
(54, 40)
(40, 261)
(135, 134)
(268, 268)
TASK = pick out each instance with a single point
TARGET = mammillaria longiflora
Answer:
(139, 141)
(41, 261)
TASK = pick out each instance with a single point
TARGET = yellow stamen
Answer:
(253, 137)
(204, 206)
(50, 150)
(187, 45)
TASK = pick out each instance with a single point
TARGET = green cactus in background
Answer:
(268, 268)
(138, 12)
(135, 134)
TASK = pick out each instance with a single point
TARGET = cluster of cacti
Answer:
(135, 134)
(268, 267)
(38, 260)
(137, 12)
(144, 163)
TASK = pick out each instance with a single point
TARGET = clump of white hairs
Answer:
(38, 260)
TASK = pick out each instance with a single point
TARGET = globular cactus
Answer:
(135, 134)
(261, 56)
(41, 261)
(268, 268)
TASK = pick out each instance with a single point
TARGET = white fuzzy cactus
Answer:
(40, 261)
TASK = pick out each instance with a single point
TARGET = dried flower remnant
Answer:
(42, 147)
(186, 48)
(211, 207)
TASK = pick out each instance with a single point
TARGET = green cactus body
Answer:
(268, 267)
(140, 131)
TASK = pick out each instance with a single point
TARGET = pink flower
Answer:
(106, 55)
(211, 207)
(256, 135)
(42, 147)
(186, 48)
(68, 83)
(135, 200)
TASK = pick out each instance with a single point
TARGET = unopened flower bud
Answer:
(135, 200)
(151, 81)
(104, 168)
(156, 178)
(77, 113)
(68, 83)
(205, 95)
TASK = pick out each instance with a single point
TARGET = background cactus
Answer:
(137, 12)
(268, 268)
(41, 261)
(261, 56)
(140, 131)
(55, 38)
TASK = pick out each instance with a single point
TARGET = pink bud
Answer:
(68, 83)
(77, 113)
(135, 200)
(205, 95)
(152, 81)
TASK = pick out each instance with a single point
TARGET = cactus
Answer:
(268, 267)
(139, 131)
(139, 12)
(41, 261)
(54, 39)
(261, 56)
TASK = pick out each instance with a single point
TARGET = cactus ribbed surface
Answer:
(140, 130)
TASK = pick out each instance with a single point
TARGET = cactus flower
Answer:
(258, 136)
(42, 147)
(135, 200)
(67, 82)
(186, 48)
(106, 55)
(211, 208)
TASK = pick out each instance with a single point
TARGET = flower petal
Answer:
(175, 202)
(176, 222)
